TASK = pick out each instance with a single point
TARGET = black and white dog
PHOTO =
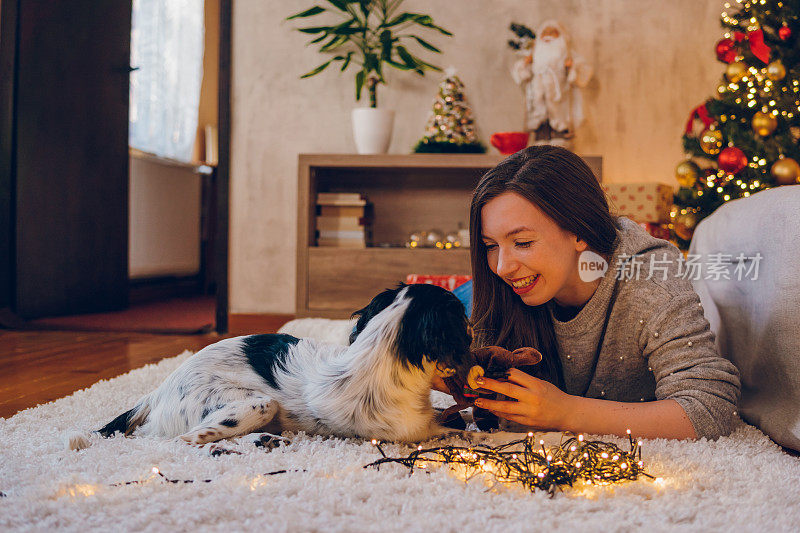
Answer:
(378, 387)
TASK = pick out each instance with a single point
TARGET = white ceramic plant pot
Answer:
(372, 129)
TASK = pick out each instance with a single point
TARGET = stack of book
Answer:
(342, 220)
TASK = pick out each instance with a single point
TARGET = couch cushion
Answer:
(757, 318)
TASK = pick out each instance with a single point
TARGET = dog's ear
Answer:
(434, 326)
(375, 306)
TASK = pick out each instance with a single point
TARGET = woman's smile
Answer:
(523, 285)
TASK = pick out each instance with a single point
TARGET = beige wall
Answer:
(654, 62)
(164, 219)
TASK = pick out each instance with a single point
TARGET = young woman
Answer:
(628, 349)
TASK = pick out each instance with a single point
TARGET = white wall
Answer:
(654, 62)
(164, 230)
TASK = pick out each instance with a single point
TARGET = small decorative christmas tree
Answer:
(451, 127)
(748, 139)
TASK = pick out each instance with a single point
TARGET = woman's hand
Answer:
(540, 404)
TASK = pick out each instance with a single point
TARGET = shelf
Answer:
(406, 193)
(386, 250)
(401, 160)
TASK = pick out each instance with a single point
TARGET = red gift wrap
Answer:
(449, 282)
(659, 231)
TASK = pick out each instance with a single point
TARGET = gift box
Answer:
(659, 231)
(449, 282)
(642, 202)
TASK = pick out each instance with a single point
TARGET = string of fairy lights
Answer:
(534, 467)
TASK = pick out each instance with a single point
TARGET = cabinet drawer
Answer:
(345, 280)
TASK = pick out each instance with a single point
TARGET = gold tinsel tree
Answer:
(451, 125)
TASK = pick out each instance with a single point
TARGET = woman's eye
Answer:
(525, 244)
(490, 246)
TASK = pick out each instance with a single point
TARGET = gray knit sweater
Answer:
(657, 344)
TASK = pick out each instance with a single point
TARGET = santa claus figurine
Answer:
(552, 76)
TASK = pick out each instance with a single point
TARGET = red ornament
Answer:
(732, 160)
(726, 51)
(739, 36)
(785, 32)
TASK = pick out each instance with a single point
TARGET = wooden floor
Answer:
(41, 366)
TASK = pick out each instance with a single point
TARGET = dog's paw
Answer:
(201, 437)
(76, 441)
(269, 441)
(215, 450)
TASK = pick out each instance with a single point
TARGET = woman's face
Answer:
(531, 253)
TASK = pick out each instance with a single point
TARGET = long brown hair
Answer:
(561, 184)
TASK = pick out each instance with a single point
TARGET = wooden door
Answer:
(71, 157)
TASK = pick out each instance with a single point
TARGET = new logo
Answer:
(591, 266)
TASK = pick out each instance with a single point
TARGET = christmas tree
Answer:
(745, 138)
(451, 127)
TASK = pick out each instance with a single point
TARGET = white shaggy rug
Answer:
(739, 483)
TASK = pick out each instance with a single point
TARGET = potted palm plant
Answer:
(369, 34)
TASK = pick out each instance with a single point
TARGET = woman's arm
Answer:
(543, 406)
(648, 420)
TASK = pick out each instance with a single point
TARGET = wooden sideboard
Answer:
(407, 193)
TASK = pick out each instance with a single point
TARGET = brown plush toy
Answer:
(493, 362)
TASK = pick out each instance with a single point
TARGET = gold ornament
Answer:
(687, 173)
(776, 71)
(764, 123)
(434, 238)
(684, 225)
(736, 71)
(711, 141)
(451, 240)
(786, 171)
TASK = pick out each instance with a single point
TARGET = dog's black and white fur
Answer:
(378, 387)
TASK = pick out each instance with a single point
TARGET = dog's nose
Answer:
(444, 370)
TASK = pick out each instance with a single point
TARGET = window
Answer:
(167, 49)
